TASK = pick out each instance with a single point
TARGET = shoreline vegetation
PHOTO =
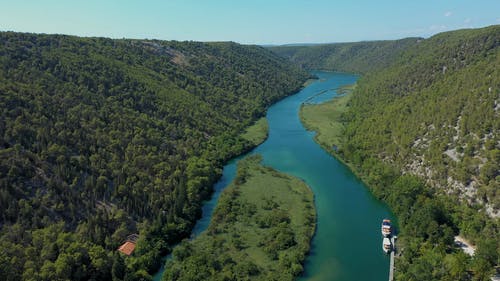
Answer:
(253, 136)
(256, 133)
(325, 118)
(308, 82)
(260, 230)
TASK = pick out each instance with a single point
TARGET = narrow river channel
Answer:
(347, 245)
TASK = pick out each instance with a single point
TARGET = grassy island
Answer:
(325, 118)
(260, 230)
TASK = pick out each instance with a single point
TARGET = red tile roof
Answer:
(127, 248)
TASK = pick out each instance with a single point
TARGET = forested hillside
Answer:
(102, 138)
(435, 113)
(424, 134)
(358, 57)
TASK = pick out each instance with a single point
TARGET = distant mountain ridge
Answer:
(358, 57)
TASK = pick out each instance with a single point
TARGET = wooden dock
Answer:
(391, 266)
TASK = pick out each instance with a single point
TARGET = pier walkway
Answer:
(391, 266)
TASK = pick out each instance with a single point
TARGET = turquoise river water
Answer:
(347, 245)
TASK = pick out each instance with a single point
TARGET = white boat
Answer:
(386, 245)
(386, 228)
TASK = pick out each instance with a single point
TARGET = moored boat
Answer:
(386, 227)
(386, 245)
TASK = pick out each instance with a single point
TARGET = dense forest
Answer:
(260, 230)
(357, 57)
(423, 132)
(102, 138)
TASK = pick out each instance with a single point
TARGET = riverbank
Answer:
(261, 227)
(325, 120)
(257, 133)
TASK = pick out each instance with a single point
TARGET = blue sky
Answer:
(251, 21)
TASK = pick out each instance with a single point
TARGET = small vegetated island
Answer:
(260, 230)
(326, 118)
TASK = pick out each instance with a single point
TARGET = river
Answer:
(347, 245)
